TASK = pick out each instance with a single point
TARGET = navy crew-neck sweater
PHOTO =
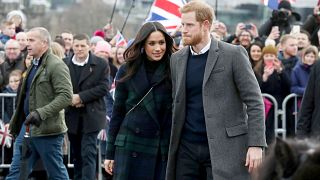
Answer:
(194, 129)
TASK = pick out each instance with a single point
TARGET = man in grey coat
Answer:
(218, 127)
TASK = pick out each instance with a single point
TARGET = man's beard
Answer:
(192, 41)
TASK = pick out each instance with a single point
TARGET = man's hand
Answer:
(254, 158)
(108, 166)
(76, 101)
(33, 118)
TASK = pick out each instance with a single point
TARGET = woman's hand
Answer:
(108, 166)
(277, 65)
(267, 71)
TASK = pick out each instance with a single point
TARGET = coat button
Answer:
(134, 154)
(137, 130)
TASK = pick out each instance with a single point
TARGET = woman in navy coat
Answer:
(139, 132)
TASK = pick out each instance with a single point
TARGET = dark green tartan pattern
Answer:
(137, 140)
(145, 116)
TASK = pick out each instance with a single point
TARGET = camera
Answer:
(248, 26)
(280, 16)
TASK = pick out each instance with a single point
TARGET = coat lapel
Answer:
(41, 68)
(211, 61)
(141, 86)
(181, 66)
(87, 70)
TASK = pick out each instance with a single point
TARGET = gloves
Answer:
(33, 118)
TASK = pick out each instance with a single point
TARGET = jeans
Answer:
(14, 171)
(49, 149)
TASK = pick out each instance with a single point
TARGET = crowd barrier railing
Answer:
(295, 110)
(6, 97)
(280, 113)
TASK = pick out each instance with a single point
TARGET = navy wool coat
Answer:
(139, 141)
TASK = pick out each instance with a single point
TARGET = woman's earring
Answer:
(142, 50)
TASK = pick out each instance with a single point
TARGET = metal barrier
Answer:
(280, 114)
(295, 112)
(6, 97)
(3, 165)
(276, 113)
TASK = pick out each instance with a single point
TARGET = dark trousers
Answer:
(193, 161)
(84, 149)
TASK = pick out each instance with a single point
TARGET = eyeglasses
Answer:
(13, 49)
(14, 81)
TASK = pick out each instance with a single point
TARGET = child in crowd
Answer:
(300, 73)
(12, 87)
(8, 31)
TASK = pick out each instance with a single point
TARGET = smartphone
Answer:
(268, 64)
(275, 28)
(248, 26)
(295, 29)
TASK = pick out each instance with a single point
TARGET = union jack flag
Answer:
(5, 136)
(120, 40)
(167, 13)
(273, 4)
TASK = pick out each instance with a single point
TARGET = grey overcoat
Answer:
(233, 109)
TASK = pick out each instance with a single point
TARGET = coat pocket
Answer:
(237, 130)
(120, 140)
(217, 70)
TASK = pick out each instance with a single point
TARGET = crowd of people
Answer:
(186, 104)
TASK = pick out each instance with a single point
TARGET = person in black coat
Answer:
(309, 115)
(312, 25)
(274, 81)
(140, 126)
(87, 114)
(283, 18)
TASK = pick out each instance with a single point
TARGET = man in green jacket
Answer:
(45, 91)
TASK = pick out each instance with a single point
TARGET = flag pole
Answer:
(125, 21)
(150, 11)
(216, 9)
(114, 8)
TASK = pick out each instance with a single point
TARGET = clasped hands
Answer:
(76, 101)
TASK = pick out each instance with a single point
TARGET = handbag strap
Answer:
(140, 100)
(148, 92)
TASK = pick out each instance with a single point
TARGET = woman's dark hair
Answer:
(133, 55)
(255, 43)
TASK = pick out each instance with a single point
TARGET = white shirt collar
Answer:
(74, 61)
(203, 50)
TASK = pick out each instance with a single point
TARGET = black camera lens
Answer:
(282, 14)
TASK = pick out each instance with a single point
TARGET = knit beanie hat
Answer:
(284, 4)
(270, 50)
(95, 39)
(99, 33)
(103, 46)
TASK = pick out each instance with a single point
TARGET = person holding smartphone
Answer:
(312, 25)
(280, 22)
(272, 80)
